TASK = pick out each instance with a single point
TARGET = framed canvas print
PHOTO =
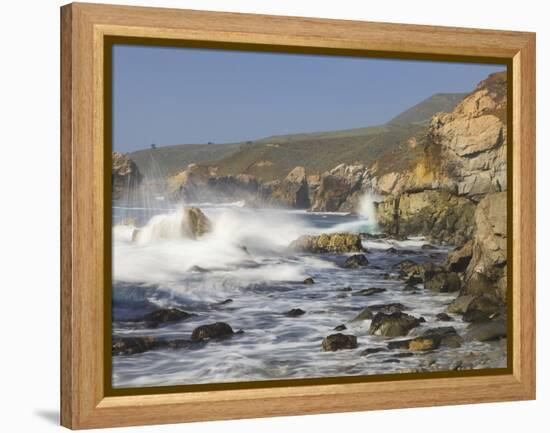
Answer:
(270, 216)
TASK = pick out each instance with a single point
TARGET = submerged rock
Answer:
(216, 330)
(429, 340)
(487, 331)
(309, 280)
(369, 292)
(132, 345)
(356, 261)
(341, 327)
(371, 351)
(328, 243)
(443, 317)
(392, 325)
(295, 312)
(165, 315)
(339, 341)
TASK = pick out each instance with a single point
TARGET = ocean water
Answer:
(245, 258)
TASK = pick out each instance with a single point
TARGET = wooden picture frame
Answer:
(85, 402)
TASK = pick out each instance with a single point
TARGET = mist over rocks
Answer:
(125, 176)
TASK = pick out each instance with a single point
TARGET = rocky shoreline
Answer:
(453, 192)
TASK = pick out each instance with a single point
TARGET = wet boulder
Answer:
(328, 243)
(198, 223)
(133, 345)
(442, 282)
(295, 312)
(356, 261)
(164, 315)
(216, 330)
(482, 309)
(443, 317)
(308, 280)
(339, 341)
(392, 325)
(341, 327)
(487, 331)
(369, 292)
(460, 304)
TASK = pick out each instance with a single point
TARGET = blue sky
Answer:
(181, 95)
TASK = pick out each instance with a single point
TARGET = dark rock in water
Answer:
(198, 269)
(225, 302)
(403, 355)
(459, 259)
(365, 314)
(443, 317)
(487, 331)
(368, 292)
(176, 344)
(370, 351)
(132, 345)
(399, 344)
(391, 361)
(427, 247)
(345, 289)
(295, 312)
(211, 331)
(341, 327)
(339, 341)
(309, 280)
(442, 282)
(460, 304)
(328, 243)
(481, 309)
(164, 315)
(356, 261)
(447, 336)
(392, 325)
(391, 250)
(421, 319)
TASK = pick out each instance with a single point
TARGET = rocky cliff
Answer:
(125, 175)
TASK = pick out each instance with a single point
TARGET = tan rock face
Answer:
(486, 273)
(197, 223)
(437, 214)
(467, 147)
(125, 175)
(292, 191)
(339, 189)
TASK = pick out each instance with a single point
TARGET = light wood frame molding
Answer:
(83, 400)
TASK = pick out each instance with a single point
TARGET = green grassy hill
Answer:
(273, 157)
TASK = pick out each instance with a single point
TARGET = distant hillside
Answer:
(273, 157)
(423, 111)
(167, 160)
(269, 160)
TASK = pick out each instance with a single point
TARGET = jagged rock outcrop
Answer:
(436, 214)
(466, 148)
(339, 189)
(201, 183)
(487, 269)
(197, 223)
(328, 243)
(293, 190)
(125, 176)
